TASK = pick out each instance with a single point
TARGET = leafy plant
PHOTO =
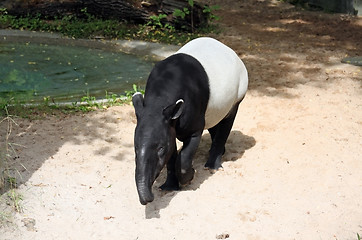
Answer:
(89, 16)
(189, 11)
(182, 13)
(14, 199)
(157, 28)
(135, 89)
(209, 11)
(156, 20)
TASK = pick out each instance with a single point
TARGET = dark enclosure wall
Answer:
(341, 6)
(338, 6)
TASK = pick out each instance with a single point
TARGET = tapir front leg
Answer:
(184, 170)
(171, 183)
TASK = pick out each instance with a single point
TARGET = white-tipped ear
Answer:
(174, 111)
(136, 93)
(178, 109)
(137, 100)
(179, 101)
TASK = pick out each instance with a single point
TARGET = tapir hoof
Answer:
(186, 178)
(213, 167)
(170, 187)
(213, 170)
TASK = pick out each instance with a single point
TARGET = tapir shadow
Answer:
(236, 145)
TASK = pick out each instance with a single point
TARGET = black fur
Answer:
(180, 77)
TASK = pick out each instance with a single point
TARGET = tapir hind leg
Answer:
(219, 135)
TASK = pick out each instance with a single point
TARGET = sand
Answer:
(293, 161)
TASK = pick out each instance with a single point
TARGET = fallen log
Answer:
(128, 10)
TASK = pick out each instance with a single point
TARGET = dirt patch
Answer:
(292, 168)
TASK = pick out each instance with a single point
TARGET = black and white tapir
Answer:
(199, 87)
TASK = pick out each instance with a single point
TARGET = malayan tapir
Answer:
(199, 87)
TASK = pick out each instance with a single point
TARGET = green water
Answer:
(31, 72)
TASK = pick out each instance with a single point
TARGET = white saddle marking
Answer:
(228, 77)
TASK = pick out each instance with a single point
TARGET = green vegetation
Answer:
(189, 12)
(88, 26)
(182, 13)
(9, 175)
(157, 29)
(48, 107)
(4, 217)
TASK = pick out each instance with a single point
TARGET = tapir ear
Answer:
(174, 111)
(137, 100)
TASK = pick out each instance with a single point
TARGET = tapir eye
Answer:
(161, 151)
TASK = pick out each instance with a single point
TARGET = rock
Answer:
(357, 61)
(29, 223)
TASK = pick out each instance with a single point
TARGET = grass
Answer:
(4, 217)
(14, 107)
(8, 175)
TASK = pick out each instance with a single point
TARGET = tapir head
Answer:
(154, 142)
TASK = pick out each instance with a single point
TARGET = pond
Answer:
(63, 73)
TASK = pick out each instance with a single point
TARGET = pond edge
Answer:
(147, 50)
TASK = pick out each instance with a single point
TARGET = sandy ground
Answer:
(292, 168)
